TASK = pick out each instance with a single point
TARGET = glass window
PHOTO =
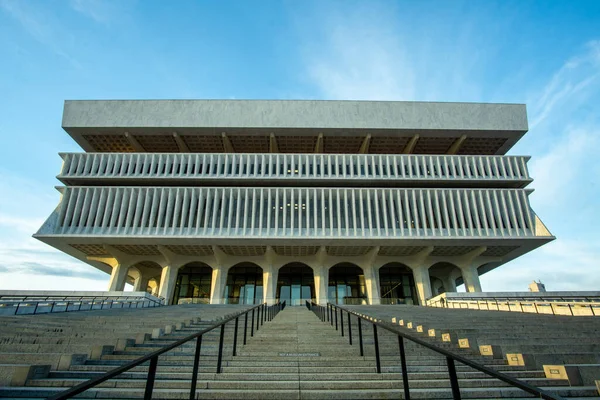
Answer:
(397, 285)
(346, 285)
(244, 285)
(193, 284)
(295, 284)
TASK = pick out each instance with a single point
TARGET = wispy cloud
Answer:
(42, 269)
(25, 206)
(570, 86)
(101, 11)
(365, 56)
(361, 57)
(41, 26)
(562, 172)
(561, 265)
(363, 52)
(26, 225)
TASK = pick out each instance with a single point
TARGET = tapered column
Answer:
(372, 284)
(449, 283)
(217, 285)
(471, 278)
(422, 283)
(118, 278)
(270, 274)
(168, 279)
(321, 275)
(141, 283)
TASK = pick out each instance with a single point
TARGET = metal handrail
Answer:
(35, 301)
(330, 313)
(263, 313)
(569, 302)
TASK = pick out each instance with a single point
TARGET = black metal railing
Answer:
(255, 316)
(520, 304)
(27, 305)
(334, 315)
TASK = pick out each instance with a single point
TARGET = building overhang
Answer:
(498, 251)
(295, 126)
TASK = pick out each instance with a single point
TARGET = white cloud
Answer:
(26, 225)
(570, 86)
(360, 57)
(26, 263)
(563, 264)
(101, 11)
(363, 56)
(560, 174)
(42, 26)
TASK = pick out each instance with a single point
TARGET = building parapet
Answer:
(296, 169)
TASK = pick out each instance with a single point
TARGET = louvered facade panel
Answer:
(296, 167)
(294, 212)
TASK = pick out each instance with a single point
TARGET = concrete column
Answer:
(372, 284)
(141, 283)
(321, 274)
(168, 279)
(422, 283)
(118, 277)
(217, 285)
(270, 274)
(471, 278)
(449, 283)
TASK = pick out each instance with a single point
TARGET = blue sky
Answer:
(542, 53)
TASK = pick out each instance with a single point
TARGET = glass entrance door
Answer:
(295, 284)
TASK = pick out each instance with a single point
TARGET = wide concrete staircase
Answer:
(66, 340)
(295, 356)
(564, 350)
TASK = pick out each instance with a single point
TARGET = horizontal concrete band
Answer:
(294, 114)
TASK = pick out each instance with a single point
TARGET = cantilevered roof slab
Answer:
(259, 126)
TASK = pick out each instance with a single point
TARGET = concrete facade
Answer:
(381, 201)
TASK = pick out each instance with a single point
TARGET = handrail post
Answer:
(245, 326)
(404, 370)
(349, 328)
(150, 378)
(376, 342)
(261, 310)
(252, 325)
(336, 322)
(453, 378)
(257, 318)
(195, 369)
(342, 322)
(327, 312)
(235, 335)
(220, 357)
(360, 340)
(331, 312)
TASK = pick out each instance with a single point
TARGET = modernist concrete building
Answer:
(233, 201)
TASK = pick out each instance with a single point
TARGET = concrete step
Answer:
(297, 393)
